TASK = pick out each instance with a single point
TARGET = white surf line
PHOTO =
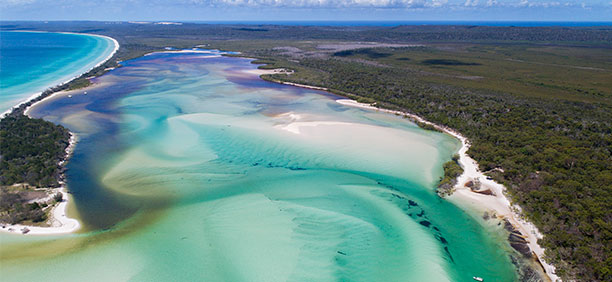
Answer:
(36, 95)
(497, 202)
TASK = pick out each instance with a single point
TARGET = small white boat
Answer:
(69, 96)
(478, 278)
(85, 93)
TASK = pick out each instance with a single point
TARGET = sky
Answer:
(308, 10)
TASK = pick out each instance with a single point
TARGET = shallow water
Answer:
(189, 167)
(35, 61)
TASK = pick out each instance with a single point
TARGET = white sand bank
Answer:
(269, 71)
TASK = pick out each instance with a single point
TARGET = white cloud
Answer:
(541, 4)
(397, 4)
(335, 3)
(440, 3)
(6, 3)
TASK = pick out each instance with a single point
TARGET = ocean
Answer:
(31, 62)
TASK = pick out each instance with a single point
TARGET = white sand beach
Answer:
(36, 95)
(59, 222)
(496, 203)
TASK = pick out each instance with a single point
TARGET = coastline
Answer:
(58, 219)
(496, 203)
(261, 72)
(38, 94)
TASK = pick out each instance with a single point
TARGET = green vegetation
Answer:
(14, 208)
(565, 72)
(452, 170)
(427, 126)
(58, 197)
(445, 62)
(368, 52)
(536, 102)
(30, 150)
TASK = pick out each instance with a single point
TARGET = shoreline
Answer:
(38, 94)
(58, 219)
(261, 72)
(497, 203)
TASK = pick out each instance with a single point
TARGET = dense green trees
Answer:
(30, 150)
(452, 170)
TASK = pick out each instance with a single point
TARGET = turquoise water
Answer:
(31, 62)
(190, 167)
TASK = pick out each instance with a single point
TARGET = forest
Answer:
(30, 150)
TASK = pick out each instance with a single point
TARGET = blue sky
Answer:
(301, 10)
